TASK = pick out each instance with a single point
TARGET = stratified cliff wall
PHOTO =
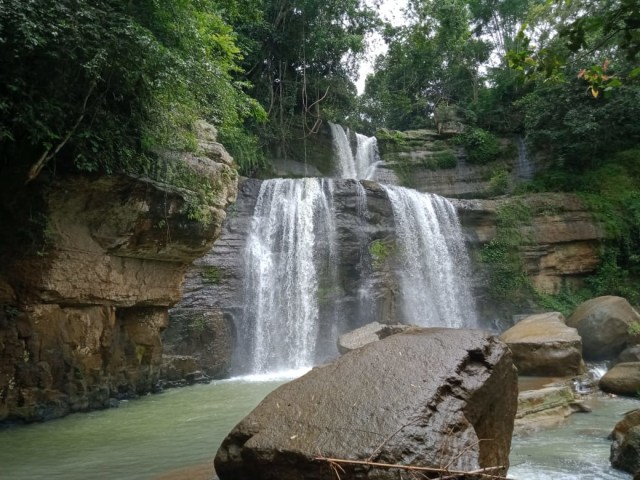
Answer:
(82, 313)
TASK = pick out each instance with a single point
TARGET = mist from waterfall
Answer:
(361, 165)
(434, 270)
(292, 236)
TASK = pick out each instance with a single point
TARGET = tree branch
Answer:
(483, 472)
(37, 167)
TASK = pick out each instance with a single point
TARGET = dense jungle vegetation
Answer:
(99, 86)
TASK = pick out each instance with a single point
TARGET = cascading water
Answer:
(525, 169)
(293, 293)
(434, 269)
(292, 235)
(363, 164)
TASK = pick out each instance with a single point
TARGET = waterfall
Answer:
(292, 236)
(363, 164)
(434, 265)
(295, 301)
(525, 168)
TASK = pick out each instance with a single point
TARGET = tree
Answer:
(302, 60)
(435, 59)
(96, 85)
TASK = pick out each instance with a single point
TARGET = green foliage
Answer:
(634, 329)
(301, 58)
(499, 182)
(565, 301)
(380, 251)
(211, 274)
(440, 160)
(481, 146)
(198, 324)
(122, 78)
(432, 64)
(508, 280)
(582, 29)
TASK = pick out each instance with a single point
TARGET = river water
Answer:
(156, 436)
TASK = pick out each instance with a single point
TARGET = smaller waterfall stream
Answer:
(525, 168)
(434, 271)
(363, 164)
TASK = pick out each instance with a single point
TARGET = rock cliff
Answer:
(560, 245)
(82, 313)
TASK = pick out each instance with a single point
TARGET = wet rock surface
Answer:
(625, 449)
(424, 397)
(622, 379)
(543, 408)
(543, 345)
(604, 325)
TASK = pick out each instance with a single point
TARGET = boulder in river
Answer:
(625, 449)
(544, 345)
(604, 324)
(622, 379)
(371, 332)
(427, 397)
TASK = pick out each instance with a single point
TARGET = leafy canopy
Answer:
(97, 84)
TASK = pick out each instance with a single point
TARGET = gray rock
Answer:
(625, 449)
(622, 379)
(543, 408)
(543, 345)
(424, 397)
(603, 323)
(372, 332)
(629, 354)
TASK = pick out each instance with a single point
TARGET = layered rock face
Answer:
(426, 397)
(560, 238)
(82, 317)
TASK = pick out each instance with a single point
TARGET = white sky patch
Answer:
(391, 11)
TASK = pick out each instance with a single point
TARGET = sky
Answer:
(391, 11)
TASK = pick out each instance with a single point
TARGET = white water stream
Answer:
(361, 165)
(434, 272)
(292, 234)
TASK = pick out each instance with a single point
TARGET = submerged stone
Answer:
(427, 397)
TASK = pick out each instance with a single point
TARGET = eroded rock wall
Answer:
(559, 238)
(81, 315)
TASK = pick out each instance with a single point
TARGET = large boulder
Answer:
(629, 354)
(622, 379)
(371, 332)
(429, 397)
(625, 449)
(543, 345)
(604, 324)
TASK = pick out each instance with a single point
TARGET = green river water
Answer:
(157, 434)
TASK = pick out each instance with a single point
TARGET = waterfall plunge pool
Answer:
(174, 435)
